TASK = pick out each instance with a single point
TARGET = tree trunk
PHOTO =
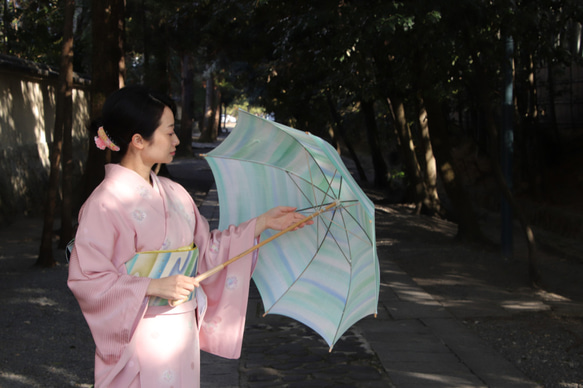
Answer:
(5, 28)
(380, 167)
(348, 144)
(552, 106)
(106, 77)
(417, 189)
(485, 104)
(217, 111)
(209, 127)
(158, 77)
(67, 231)
(186, 120)
(468, 226)
(222, 123)
(533, 272)
(426, 149)
(63, 119)
(146, 33)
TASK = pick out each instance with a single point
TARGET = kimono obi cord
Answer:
(181, 249)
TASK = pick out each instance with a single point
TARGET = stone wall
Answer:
(27, 116)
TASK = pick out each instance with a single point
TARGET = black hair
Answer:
(133, 110)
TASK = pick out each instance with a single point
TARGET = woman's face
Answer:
(162, 146)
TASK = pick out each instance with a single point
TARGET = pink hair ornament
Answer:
(102, 141)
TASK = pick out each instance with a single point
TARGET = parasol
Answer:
(325, 275)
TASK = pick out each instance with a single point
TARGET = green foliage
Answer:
(291, 57)
(32, 30)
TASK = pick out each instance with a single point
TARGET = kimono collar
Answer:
(126, 175)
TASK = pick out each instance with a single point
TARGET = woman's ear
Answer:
(138, 141)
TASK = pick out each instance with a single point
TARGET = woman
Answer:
(133, 210)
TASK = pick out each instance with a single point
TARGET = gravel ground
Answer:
(546, 347)
(543, 334)
(44, 339)
(46, 343)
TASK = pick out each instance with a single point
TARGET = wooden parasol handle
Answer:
(222, 266)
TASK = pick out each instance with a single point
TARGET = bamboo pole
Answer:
(222, 266)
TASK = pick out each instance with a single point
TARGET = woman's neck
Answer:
(136, 165)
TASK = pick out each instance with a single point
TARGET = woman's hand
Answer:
(177, 287)
(279, 218)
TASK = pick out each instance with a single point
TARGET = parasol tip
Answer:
(202, 155)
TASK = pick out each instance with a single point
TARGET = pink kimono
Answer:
(156, 346)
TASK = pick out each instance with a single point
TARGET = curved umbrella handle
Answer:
(222, 266)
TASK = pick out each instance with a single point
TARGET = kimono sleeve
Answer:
(112, 301)
(221, 330)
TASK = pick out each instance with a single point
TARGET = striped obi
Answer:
(161, 264)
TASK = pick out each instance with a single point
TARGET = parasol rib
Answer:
(349, 231)
(291, 173)
(342, 206)
(222, 266)
(303, 271)
(329, 233)
(346, 256)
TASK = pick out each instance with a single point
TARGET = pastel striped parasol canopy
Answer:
(325, 275)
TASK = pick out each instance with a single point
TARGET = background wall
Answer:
(27, 116)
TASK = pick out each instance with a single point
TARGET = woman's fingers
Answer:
(172, 287)
(186, 284)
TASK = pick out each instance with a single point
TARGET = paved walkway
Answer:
(413, 342)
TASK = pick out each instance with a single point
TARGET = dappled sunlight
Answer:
(65, 375)
(525, 305)
(396, 221)
(6, 118)
(387, 210)
(437, 225)
(27, 115)
(18, 183)
(386, 242)
(80, 114)
(23, 257)
(412, 293)
(44, 154)
(432, 379)
(34, 296)
(552, 297)
(456, 280)
(40, 300)
(168, 330)
(10, 379)
(42, 326)
(417, 296)
(33, 96)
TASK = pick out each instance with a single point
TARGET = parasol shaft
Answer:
(219, 267)
(222, 266)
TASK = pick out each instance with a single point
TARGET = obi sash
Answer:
(161, 264)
